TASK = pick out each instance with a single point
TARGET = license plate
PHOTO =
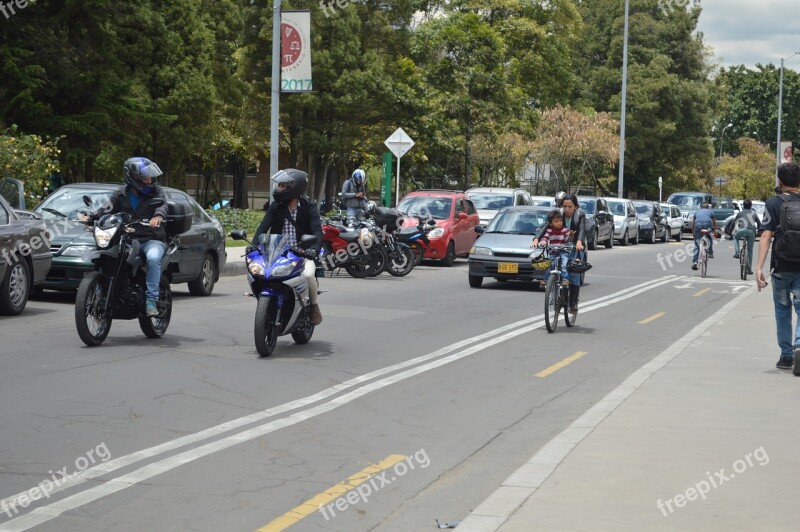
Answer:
(508, 267)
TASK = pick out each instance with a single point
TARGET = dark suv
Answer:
(198, 262)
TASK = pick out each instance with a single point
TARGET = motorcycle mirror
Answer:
(308, 241)
(155, 202)
(239, 234)
(431, 222)
(87, 200)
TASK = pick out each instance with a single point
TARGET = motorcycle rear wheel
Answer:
(266, 330)
(156, 326)
(90, 320)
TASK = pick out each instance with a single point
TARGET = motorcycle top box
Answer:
(179, 218)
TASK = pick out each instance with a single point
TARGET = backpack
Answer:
(787, 240)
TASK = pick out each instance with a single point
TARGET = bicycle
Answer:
(556, 295)
(704, 242)
(744, 262)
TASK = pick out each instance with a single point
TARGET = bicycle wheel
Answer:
(703, 256)
(552, 302)
(743, 262)
(569, 318)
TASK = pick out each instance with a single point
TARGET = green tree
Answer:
(751, 173)
(29, 158)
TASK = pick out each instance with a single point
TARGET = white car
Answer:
(674, 220)
(489, 200)
(626, 222)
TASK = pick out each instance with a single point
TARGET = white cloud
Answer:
(751, 31)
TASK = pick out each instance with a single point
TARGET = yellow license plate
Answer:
(543, 265)
(508, 267)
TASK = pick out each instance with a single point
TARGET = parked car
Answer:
(198, 262)
(456, 219)
(489, 200)
(24, 257)
(691, 202)
(652, 221)
(674, 220)
(599, 221)
(543, 201)
(626, 223)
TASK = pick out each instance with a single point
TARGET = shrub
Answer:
(238, 219)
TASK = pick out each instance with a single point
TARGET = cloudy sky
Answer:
(752, 31)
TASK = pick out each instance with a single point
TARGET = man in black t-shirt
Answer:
(785, 275)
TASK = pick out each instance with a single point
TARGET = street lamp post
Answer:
(722, 139)
(624, 105)
(780, 112)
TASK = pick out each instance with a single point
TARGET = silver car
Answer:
(626, 223)
(489, 200)
(674, 220)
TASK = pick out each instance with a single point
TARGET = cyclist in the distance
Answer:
(703, 219)
(745, 225)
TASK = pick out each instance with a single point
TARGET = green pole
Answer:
(386, 182)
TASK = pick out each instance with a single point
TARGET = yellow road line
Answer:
(559, 365)
(701, 292)
(652, 318)
(313, 504)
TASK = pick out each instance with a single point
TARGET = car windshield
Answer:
(538, 202)
(617, 207)
(422, 206)
(491, 201)
(517, 222)
(68, 203)
(644, 209)
(587, 206)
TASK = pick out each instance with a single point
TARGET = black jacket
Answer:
(307, 223)
(578, 221)
(119, 202)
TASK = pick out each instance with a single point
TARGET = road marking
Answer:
(334, 492)
(701, 292)
(51, 511)
(522, 484)
(652, 318)
(558, 365)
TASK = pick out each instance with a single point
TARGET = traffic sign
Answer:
(399, 142)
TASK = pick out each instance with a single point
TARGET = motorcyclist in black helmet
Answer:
(293, 216)
(141, 185)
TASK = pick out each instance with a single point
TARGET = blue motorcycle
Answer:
(275, 276)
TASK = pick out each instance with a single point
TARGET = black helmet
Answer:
(136, 169)
(578, 266)
(560, 197)
(296, 182)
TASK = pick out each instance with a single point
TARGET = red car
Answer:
(456, 218)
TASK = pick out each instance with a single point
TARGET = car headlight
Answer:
(617, 223)
(437, 233)
(645, 221)
(76, 251)
(103, 236)
(255, 268)
(480, 251)
(286, 269)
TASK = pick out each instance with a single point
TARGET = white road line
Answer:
(49, 512)
(496, 509)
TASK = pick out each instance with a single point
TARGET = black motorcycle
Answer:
(116, 288)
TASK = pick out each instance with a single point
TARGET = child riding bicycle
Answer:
(556, 235)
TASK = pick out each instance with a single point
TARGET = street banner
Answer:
(786, 151)
(296, 51)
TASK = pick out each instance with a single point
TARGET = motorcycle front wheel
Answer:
(417, 251)
(402, 261)
(91, 320)
(156, 326)
(302, 334)
(380, 261)
(266, 328)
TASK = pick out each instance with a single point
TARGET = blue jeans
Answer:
(355, 212)
(560, 261)
(750, 236)
(785, 293)
(575, 278)
(153, 250)
(697, 235)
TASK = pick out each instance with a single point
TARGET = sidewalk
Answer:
(234, 265)
(704, 437)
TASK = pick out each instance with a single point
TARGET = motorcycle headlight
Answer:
(480, 251)
(76, 251)
(437, 233)
(103, 236)
(365, 237)
(255, 268)
(286, 269)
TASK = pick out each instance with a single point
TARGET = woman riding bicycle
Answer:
(574, 219)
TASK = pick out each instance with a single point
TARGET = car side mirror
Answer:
(462, 216)
(239, 234)
(308, 241)
(480, 229)
(87, 200)
(432, 222)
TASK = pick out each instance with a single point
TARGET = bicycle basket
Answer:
(541, 261)
(578, 266)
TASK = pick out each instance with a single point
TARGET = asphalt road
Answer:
(443, 390)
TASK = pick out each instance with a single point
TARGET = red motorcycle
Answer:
(353, 248)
